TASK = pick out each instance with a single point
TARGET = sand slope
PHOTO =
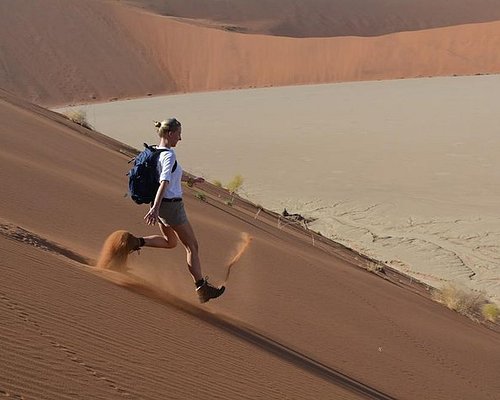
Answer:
(69, 334)
(293, 317)
(57, 52)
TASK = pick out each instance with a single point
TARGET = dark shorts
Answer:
(173, 213)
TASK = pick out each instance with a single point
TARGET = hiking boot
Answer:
(206, 291)
(133, 243)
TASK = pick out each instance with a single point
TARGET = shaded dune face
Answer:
(63, 52)
(327, 18)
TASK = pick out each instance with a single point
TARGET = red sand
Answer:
(296, 321)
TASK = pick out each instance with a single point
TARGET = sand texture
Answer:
(302, 317)
(296, 321)
(57, 52)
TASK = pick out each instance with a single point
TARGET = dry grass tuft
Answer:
(490, 312)
(461, 300)
(200, 196)
(78, 117)
(372, 266)
(235, 184)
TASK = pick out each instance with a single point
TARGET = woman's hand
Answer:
(192, 181)
(152, 216)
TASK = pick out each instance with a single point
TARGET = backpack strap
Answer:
(155, 149)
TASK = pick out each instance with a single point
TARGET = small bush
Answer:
(201, 196)
(217, 183)
(78, 117)
(374, 267)
(490, 312)
(463, 301)
(235, 184)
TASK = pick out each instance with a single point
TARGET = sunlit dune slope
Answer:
(69, 334)
(58, 52)
(294, 322)
(66, 332)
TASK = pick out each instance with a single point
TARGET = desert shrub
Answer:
(235, 184)
(217, 183)
(201, 196)
(490, 312)
(374, 267)
(78, 117)
(460, 300)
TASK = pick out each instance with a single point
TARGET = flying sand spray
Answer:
(115, 252)
(242, 246)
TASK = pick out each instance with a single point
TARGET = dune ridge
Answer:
(125, 52)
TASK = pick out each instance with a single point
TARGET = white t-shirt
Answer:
(166, 162)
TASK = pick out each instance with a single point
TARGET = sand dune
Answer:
(57, 52)
(324, 18)
(294, 319)
(297, 321)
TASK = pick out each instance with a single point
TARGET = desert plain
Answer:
(300, 319)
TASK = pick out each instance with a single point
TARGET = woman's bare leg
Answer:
(168, 240)
(187, 237)
(205, 290)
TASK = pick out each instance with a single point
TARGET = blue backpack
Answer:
(143, 178)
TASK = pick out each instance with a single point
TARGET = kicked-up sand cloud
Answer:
(299, 322)
(116, 249)
(119, 244)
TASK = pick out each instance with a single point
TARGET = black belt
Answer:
(173, 200)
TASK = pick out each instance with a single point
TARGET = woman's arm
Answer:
(152, 216)
(191, 181)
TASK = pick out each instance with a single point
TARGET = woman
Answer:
(168, 209)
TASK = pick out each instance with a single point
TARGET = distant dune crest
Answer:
(63, 52)
(327, 18)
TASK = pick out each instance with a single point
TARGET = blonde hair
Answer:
(166, 126)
